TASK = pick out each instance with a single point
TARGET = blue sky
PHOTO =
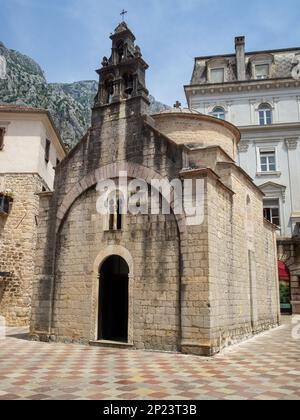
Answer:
(68, 38)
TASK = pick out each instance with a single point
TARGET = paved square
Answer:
(266, 367)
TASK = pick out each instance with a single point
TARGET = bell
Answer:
(129, 87)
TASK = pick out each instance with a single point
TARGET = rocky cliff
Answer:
(23, 82)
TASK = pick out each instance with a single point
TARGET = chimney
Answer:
(240, 57)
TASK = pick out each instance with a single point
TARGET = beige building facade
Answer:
(30, 151)
(259, 92)
(152, 281)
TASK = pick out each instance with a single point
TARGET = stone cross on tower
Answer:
(123, 13)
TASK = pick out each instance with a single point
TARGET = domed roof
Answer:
(189, 126)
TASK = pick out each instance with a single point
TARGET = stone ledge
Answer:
(198, 350)
(110, 344)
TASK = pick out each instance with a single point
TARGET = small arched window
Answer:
(121, 52)
(128, 84)
(218, 112)
(265, 114)
(108, 91)
(115, 211)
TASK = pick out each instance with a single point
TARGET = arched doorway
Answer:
(113, 300)
(285, 288)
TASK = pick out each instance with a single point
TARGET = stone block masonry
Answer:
(18, 233)
(181, 287)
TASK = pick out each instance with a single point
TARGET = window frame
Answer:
(267, 154)
(261, 59)
(217, 114)
(47, 150)
(262, 65)
(115, 217)
(263, 118)
(272, 149)
(271, 208)
(211, 70)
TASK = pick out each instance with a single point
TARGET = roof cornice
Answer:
(271, 127)
(281, 50)
(242, 86)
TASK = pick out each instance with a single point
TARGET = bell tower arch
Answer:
(123, 75)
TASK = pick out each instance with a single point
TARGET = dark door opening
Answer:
(113, 299)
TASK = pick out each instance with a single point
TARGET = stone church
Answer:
(153, 281)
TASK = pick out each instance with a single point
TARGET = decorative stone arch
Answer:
(215, 105)
(265, 101)
(109, 251)
(113, 250)
(110, 172)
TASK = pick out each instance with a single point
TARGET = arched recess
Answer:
(110, 172)
(99, 261)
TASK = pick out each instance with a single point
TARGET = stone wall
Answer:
(65, 303)
(18, 234)
(243, 277)
(190, 287)
(153, 244)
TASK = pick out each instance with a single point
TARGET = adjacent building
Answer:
(260, 93)
(30, 150)
(144, 279)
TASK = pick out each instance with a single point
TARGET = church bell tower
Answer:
(122, 76)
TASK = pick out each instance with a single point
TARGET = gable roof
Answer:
(272, 184)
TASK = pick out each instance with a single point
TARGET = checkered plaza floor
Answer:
(264, 368)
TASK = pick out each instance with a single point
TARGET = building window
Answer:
(115, 219)
(217, 75)
(271, 211)
(262, 71)
(47, 151)
(218, 112)
(265, 114)
(267, 160)
(2, 132)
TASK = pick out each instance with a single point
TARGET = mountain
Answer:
(69, 103)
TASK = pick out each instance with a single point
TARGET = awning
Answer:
(284, 273)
